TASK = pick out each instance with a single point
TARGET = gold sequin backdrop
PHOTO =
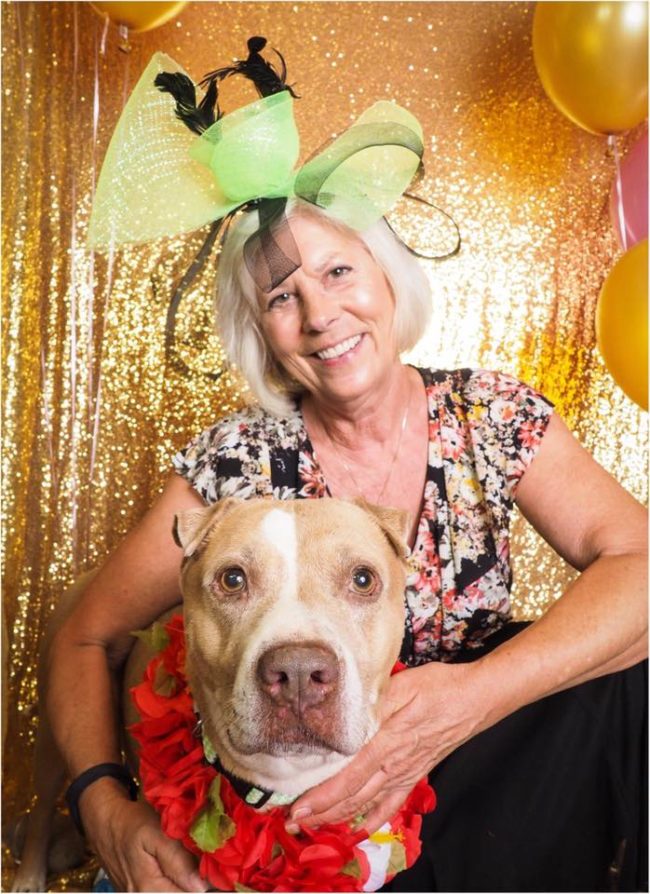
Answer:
(91, 413)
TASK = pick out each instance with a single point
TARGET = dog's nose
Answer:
(300, 676)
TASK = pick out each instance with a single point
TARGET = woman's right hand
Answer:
(131, 846)
(135, 586)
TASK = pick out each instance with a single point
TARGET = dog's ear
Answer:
(193, 526)
(395, 523)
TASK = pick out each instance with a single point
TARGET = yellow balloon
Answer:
(139, 16)
(592, 59)
(622, 323)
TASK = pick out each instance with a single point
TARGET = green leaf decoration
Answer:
(164, 683)
(214, 793)
(276, 850)
(239, 887)
(208, 749)
(397, 862)
(352, 868)
(212, 828)
(155, 637)
(204, 830)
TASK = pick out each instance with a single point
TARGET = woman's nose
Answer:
(319, 310)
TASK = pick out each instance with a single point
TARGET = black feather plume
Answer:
(262, 73)
(197, 118)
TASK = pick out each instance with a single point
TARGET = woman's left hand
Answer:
(426, 713)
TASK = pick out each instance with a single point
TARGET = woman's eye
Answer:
(364, 580)
(279, 300)
(338, 272)
(232, 580)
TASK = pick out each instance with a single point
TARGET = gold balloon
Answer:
(622, 323)
(139, 16)
(592, 59)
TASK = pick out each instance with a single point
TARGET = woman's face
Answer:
(330, 324)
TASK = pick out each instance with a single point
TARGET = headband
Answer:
(162, 179)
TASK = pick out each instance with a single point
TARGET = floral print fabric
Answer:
(484, 430)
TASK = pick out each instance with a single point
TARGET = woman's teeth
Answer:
(341, 348)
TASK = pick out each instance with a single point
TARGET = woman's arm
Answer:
(137, 583)
(599, 625)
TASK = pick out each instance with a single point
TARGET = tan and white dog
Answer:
(294, 616)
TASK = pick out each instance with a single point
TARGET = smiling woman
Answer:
(315, 307)
(238, 298)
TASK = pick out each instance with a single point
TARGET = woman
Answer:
(332, 332)
(315, 308)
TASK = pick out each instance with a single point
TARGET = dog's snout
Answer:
(300, 676)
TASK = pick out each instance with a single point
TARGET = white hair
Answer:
(238, 311)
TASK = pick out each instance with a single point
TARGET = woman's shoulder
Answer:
(249, 426)
(480, 387)
(233, 456)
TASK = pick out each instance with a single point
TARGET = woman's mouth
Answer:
(336, 351)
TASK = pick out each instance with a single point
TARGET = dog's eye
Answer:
(232, 580)
(363, 580)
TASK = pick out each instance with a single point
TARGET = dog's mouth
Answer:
(278, 732)
(299, 740)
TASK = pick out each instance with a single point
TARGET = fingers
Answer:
(341, 797)
(158, 884)
(176, 866)
(348, 800)
(378, 770)
(139, 857)
(384, 811)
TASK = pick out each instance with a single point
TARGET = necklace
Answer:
(392, 463)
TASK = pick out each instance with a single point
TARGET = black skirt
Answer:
(552, 798)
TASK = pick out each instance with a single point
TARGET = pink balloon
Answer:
(632, 205)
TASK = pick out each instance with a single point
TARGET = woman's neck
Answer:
(371, 418)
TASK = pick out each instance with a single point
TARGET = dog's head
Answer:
(294, 615)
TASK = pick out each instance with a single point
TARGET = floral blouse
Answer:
(484, 430)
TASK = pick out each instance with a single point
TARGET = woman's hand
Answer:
(426, 713)
(131, 846)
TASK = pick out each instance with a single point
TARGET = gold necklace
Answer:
(390, 468)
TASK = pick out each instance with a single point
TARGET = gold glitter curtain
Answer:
(92, 414)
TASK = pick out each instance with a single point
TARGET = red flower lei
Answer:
(241, 848)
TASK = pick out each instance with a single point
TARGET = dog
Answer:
(293, 615)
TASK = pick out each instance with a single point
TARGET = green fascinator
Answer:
(160, 178)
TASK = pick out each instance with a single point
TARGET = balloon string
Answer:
(93, 393)
(102, 46)
(618, 180)
(73, 299)
(111, 247)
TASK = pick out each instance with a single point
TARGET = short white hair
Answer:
(238, 311)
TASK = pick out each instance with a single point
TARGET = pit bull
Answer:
(293, 615)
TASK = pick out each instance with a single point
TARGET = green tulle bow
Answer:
(158, 179)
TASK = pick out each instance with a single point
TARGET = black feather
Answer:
(256, 44)
(262, 73)
(197, 118)
(209, 105)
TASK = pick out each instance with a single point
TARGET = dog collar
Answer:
(252, 794)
